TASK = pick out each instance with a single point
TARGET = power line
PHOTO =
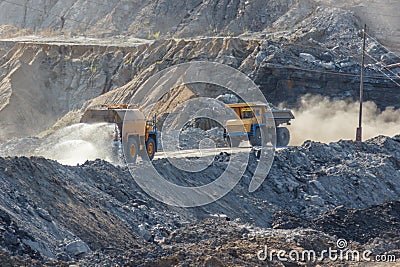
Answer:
(387, 49)
(382, 71)
(389, 77)
(380, 63)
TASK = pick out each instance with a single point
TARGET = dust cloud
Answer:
(324, 120)
(381, 17)
(71, 145)
(80, 142)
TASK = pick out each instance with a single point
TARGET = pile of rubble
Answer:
(191, 137)
(51, 211)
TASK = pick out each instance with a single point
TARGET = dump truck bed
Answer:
(101, 115)
(132, 120)
(282, 116)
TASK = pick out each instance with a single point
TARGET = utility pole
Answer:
(359, 129)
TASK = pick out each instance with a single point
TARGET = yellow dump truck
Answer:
(137, 135)
(252, 120)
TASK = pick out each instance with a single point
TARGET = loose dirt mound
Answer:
(361, 225)
(66, 212)
(381, 221)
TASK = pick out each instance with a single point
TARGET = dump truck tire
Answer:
(151, 148)
(116, 152)
(282, 136)
(131, 150)
(257, 138)
(233, 142)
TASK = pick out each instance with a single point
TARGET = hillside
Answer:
(47, 72)
(163, 19)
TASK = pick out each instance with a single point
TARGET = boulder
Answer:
(77, 248)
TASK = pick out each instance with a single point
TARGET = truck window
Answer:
(247, 114)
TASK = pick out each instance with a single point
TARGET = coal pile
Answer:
(11, 237)
(96, 213)
(363, 225)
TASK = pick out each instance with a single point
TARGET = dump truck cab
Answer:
(252, 120)
(138, 135)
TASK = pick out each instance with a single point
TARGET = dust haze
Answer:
(79, 142)
(321, 119)
(380, 17)
(71, 145)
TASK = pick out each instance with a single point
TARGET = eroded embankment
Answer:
(40, 83)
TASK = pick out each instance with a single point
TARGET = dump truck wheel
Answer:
(282, 137)
(257, 138)
(151, 148)
(131, 150)
(233, 142)
(116, 148)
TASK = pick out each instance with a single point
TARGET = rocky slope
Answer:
(291, 48)
(42, 82)
(149, 19)
(54, 211)
(146, 18)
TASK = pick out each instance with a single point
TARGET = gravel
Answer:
(53, 212)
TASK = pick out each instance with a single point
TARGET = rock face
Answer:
(15, 239)
(149, 19)
(144, 18)
(43, 79)
(41, 83)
